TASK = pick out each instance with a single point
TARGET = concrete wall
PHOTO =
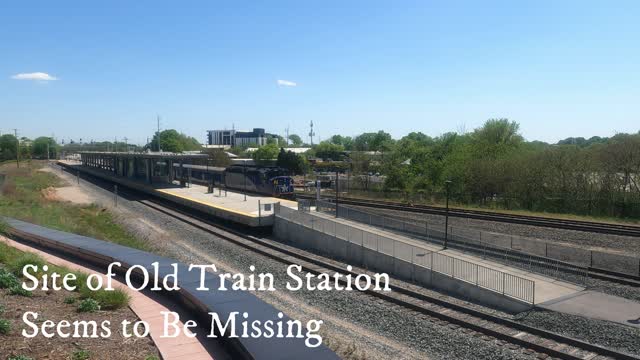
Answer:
(318, 242)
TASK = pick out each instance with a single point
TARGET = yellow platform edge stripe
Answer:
(207, 204)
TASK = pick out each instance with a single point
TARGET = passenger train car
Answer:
(271, 181)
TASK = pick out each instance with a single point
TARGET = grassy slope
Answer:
(21, 197)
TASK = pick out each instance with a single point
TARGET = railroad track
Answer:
(587, 226)
(440, 312)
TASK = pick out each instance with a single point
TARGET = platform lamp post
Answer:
(447, 183)
(337, 178)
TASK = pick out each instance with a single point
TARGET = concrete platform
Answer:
(231, 207)
(597, 305)
(546, 289)
(230, 201)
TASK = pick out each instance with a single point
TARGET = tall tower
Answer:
(311, 133)
(286, 137)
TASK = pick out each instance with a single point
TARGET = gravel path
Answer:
(356, 326)
(620, 244)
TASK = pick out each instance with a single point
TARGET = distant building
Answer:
(257, 137)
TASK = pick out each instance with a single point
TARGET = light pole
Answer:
(15, 131)
(244, 172)
(446, 216)
(337, 175)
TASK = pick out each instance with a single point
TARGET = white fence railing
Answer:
(510, 285)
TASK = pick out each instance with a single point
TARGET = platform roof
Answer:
(147, 155)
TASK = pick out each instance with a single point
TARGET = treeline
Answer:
(10, 146)
(494, 166)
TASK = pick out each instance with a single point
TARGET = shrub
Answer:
(5, 326)
(151, 357)
(25, 259)
(88, 305)
(18, 290)
(111, 300)
(19, 357)
(80, 355)
(8, 280)
(69, 300)
(2, 309)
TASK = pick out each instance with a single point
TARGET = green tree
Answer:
(496, 137)
(43, 144)
(173, 141)
(378, 141)
(266, 152)
(345, 141)
(218, 157)
(326, 150)
(8, 147)
(296, 140)
(293, 162)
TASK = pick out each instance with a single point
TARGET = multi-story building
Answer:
(257, 137)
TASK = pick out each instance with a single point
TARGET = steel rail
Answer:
(577, 225)
(543, 341)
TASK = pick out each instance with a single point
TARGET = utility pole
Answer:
(47, 151)
(15, 132)
(158, 135)
(311, 133)
(115, 144)
(126, 145)
(446, 218)
(286, 131)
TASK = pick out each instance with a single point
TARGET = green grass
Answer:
(4, 228)
(17, 264)
(108, 300)
(5, 326)
(19, 357)
(80, 355)
(111, 300)
(7, 253)
(18, 290)
(21, 198)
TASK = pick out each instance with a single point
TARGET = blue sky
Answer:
(559, 68)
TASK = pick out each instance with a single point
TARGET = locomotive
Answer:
(271, 181)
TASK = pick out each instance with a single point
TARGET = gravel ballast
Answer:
(356, 326)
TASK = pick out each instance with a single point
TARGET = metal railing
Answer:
(497, 281)
(464, 240)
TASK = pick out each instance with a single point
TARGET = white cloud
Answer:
(286, 83)
(39, 76)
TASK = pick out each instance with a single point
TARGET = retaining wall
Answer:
(315, 241)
